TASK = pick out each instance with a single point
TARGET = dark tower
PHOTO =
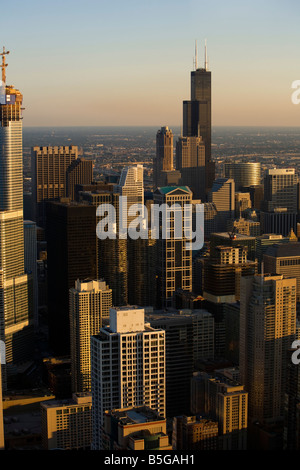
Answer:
(72, 255)
(197, 115)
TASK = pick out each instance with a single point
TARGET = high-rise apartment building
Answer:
(48, 172)
(163, 161)
(71, 255)
(175, 254)
(16, 316)
(267, 330)
(225, 400)
(89, 304)
(127, 367)
(244, 174)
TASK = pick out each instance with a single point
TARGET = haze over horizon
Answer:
(128, 64)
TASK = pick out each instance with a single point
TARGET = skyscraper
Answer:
(30, 262)
(223, 195)
(72, 255)
(197, 114)
(163, 160)
(131, 187)
(48, 171)
(280, 189)
(89, 306)
(190, 161)
(80, 171)
(222, 273)
(175, 256)
(284, 259)
(189, 336)
(127, 366)
(15, 303)
(267, 330)
(244, 174)
(112, 256)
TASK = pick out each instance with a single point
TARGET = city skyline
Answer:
(128, 63)
(149, 287)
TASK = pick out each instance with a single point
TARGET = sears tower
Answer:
(15, 285)
(197, 115)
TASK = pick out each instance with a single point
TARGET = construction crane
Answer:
(4, 65)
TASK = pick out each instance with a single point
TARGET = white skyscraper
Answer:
(15, 304)
(127, 366)
(131, 186)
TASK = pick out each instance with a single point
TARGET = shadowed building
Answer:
(163, 160)
(80, 171)
(197, 115)
(190, 161)
(71, 246)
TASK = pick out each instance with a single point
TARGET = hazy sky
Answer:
(128, 62)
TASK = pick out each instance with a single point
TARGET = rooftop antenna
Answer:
(4, 65)
(196, 55)
(205, 62)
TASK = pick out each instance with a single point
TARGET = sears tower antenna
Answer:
(196, 56)
(4, 65)
(205, 60)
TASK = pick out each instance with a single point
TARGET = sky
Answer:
(128, 62)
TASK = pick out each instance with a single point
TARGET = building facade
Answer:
(89, 304)
(127, 367)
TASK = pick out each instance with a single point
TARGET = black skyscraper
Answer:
(72, 255)
(197, 116)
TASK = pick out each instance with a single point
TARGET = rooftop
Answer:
(132, 416)
(284, 250)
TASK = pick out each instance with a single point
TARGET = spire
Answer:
(196, 55)
(205, 60)
(4, 65)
